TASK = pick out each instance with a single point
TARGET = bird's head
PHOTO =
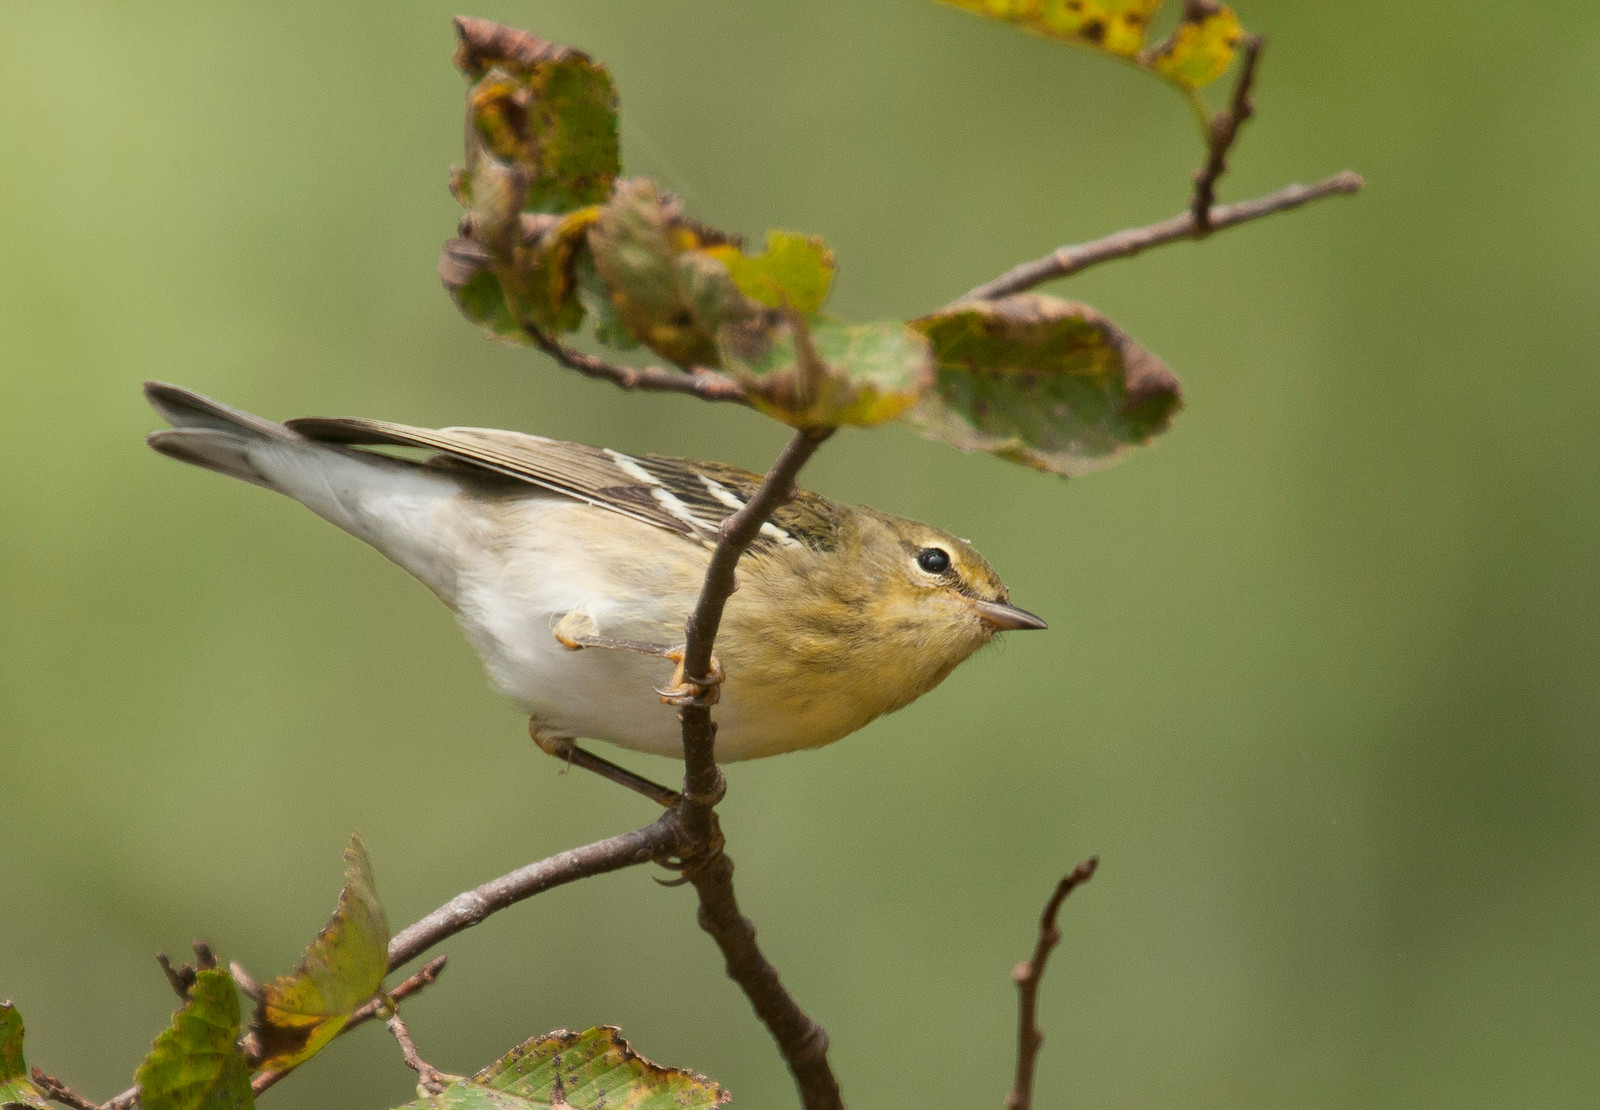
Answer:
(929, 592)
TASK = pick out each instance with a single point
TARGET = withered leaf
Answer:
(670, 293)
(299, 1013)
(1048, 383)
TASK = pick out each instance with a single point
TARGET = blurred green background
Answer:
(1323, 676)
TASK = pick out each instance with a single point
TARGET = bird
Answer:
(572, 570)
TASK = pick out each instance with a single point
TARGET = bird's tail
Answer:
(389, 502)
(213, 435)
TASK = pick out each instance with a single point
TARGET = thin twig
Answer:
(368, 1011)
(1220, 135)
(427, 1075)
(53, 1088)
(183, 976)
(1027, 975)
(708, 385)
(1068, 260)
(803, 1043)
(657, 839)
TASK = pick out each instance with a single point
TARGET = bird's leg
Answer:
(575, 631)
(563, 748)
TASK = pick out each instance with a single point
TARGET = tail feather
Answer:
(388, 502)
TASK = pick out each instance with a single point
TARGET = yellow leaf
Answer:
(1201, 50)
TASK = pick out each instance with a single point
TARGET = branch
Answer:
(708, 385)
(1220, 135)
(428, 1076)
(1065, 261)
(1027, 975)
(52, 1088)
(803, 1043)
(656, 840)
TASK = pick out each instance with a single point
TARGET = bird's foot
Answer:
(685, 691)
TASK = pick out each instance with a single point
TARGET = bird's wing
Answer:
(681, 495)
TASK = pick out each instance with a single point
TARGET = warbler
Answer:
(552, 554)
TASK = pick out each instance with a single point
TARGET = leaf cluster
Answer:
(554, 238)
(211, 1058)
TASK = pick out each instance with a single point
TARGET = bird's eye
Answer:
(934, 560)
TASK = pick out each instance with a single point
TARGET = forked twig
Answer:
(1027, 976)
(428, 1076)
(1221, 133)
(54, 1089)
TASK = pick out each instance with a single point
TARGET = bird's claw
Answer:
(684, 691)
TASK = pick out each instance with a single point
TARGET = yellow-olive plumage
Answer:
(841, 614)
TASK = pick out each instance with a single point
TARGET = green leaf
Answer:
(1201, 48)
(468, 274)
(1197, 53)
(668, 291)
(549, 111)
(593, 1070)
(793, 273)
(1041, 381)
(15, 1087)
(196, 1064)
(820, 373)
(299, 1013)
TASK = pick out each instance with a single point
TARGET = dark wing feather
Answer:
(681, 495)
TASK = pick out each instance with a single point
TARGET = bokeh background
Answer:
(1322, 682)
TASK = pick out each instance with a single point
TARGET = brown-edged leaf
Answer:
(1048, 383)
(196, 1064)
(299, 1013)
(549, 111)
(668, 290)
(592, 1070)
(16, 1090)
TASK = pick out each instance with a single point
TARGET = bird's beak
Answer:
(1006, 618)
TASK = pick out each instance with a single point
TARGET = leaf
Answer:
(668, 292)
(15, 1087)
(299, 1013)
(550, 111)
(1048, 383)
(1116, 26)
(820, 373)
(793, 273)
(1201, 48)
(196, 1064)
(585, 1071)
(1197, 53)
(468, 274)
